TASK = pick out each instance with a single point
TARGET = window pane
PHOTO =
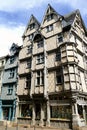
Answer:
(60, 37)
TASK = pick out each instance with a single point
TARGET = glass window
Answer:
(40, 44)
(49, 17)
(49, 28)
(30, 36)
(40, 58)
(40, 78)
(32, 26)
(58, 56)
(12, 60)
(29, 49)
(26, 110)
(59, 79)
(28, 81)
(60, 37)
(29, 63)
(12, 72)
(10, 89)
(63, 112)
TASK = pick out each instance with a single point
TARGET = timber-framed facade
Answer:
(52, 73)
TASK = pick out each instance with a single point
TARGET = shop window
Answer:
(63, 112)
(26, 110)
(80, 111)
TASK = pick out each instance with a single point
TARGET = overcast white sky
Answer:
(15, 14)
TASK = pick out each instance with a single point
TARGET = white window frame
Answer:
(39, 78)
(49, 28)
(10, 90)
(40, 58)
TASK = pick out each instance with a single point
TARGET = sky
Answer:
(15, 14)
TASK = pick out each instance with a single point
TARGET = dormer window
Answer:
(49, 28)
(32, 26)
(31, 36)
(12, 60)
(49, 17)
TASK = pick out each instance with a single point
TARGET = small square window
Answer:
(12, 60)
(30, 37)
(40, 44)
(59, 76)
(49, 17)
(49, 28)
(40, 58)
(32, 26)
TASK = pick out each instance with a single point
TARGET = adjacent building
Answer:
(9, 85)
(3, 60)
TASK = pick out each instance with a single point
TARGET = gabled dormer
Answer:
(14, 49)
(50, 14)
(32, 25)
(78, 22)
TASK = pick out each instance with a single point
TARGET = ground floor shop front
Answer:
(55, 112)
(7, 110)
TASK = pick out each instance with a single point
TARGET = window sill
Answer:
(9, 94)
(49, 31)
(24, 117)
(39, 63)
(59, 83)
(59, 119)
(27, 88)
(40, 85)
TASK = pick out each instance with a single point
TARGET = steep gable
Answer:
(50, 14)
(74, 18)
(32, 24)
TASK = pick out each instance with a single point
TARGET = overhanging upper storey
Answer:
(38, 37)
